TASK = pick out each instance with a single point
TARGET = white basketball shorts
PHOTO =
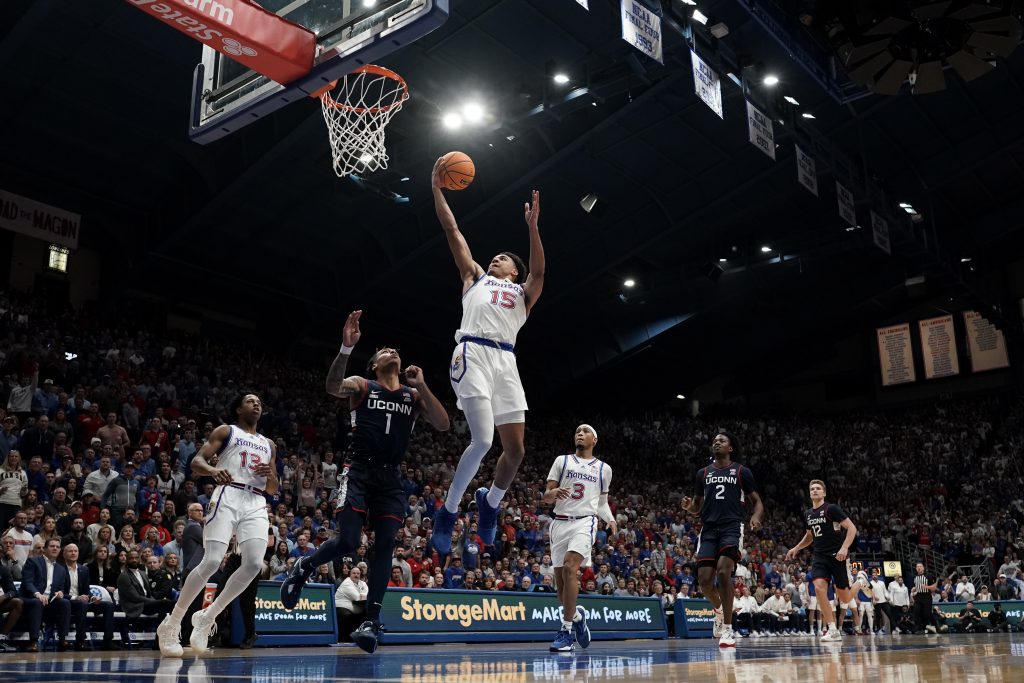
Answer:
(236, 512)
(485, 371)
(576, 535)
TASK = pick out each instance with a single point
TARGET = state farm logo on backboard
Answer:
(233, 47)
(185, 23)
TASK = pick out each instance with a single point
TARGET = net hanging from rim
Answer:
(356, 115)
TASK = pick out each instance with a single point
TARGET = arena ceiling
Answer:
(94, 120)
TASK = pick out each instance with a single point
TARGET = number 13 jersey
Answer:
(241, 453)
(493, 309)
(586, 481)
(725, 491)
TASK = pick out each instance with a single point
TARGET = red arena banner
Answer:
(242, 30)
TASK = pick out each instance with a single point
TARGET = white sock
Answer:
(566, 625)
(576, 616)
(495, 495)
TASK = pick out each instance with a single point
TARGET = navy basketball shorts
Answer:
(829, 568)
(719, 540)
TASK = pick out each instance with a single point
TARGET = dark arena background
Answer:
(798, 222)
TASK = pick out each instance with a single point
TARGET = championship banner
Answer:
(847, 211)
(641, 28)
(243, 31)
(806, 171)
(432, 615)
(312, 622)
(938, 347)
(39, 220)
(880, 232)
(694, 618)
(986, 344)
(1014, 609)
(895, 355)
(707, 84)
(761, 131)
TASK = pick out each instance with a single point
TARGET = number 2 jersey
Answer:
(725, 491)
(493, 309)
(241, 453)
(586, 479)
(824, 524)
(382, 421)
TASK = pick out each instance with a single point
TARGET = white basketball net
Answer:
(356, 115)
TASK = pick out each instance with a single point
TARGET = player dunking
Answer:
(484, 374)
(578, 487)
(384, 412)
(829, 533)
(245, 473)
(722, 489)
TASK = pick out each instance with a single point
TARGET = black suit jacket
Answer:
(131, 595)
(33, 578)
(83, 580)
(191, 547)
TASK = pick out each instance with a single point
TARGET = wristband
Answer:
(346, 350)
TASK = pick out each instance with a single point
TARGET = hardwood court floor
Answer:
(883, 659)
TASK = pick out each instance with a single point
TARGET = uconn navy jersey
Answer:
(824, 524)
(725, 492)
(241, 453)
(493, 309)
(382, 422)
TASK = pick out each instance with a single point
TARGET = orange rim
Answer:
(324, 96)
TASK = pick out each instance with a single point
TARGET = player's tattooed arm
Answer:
(337, 384)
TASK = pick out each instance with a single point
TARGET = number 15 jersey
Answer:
(586, 479)
(493, 309)
(725, 491)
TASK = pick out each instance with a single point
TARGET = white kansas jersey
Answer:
(241, 453)
(493, 309)
(586, 480)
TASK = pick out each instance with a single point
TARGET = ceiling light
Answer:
(404, 179)
(766, 249)
(561, 79)
(452, 121)
(719, 30)
(807, 115)
(689, 2)
(734, 78)
(680, 397)
(472, 112)
(510, 138)
(791, 100)
(629, 283)
(771, 79)
(722, 260)
(904, 205)
(369, 3)
(966, 259)
(699, 17)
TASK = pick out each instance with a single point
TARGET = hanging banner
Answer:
(938, 347)
(707, 84)
(985, 343)
(39, 220)
(880, 231)
(806, 171)
(895, 355)
(641, 28)
(846, 209)
(761, 131)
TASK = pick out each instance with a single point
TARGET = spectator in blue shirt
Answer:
(303, 547)
(454, 576)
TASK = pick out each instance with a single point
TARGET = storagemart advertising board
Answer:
(417, 615)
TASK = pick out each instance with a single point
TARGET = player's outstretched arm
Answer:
(534, 284)
(469, 270)
(201, 463)
(337, 384)
(431, 408)
(804, 542)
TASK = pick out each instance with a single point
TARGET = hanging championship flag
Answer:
(806, 171)
(762, 132)
(846, 208)
(706, 84)
(641, 28)
(880, 230)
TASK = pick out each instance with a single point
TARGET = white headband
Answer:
(590, 428)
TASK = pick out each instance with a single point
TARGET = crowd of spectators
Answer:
(101, 421)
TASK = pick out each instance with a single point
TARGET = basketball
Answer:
(457, 171)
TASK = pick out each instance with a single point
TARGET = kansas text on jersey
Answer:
(586, 479)
(725, 492)
(493, 309)
(382, 422)
(241, 453)
(824, 524)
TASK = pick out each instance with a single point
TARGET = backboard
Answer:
(227, 95)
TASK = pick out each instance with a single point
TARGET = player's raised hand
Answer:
(435, 175)
(414, 376)
(531, 212)
(350, 336)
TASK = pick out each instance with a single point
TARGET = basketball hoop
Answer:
(358, 113)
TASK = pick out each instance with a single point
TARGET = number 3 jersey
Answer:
(725, 491)
(586, 480)
(493, 309)
(241, 453)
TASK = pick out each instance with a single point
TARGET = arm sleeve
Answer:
(603, 511)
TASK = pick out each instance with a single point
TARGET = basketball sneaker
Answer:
(565, 641)
(444, 525)
(719, 623)
(727, 639)
(203, 626)
(487, 520)
(168, 633)
(831, 635)
(367, 636)
(580, 628)
(291, 588)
